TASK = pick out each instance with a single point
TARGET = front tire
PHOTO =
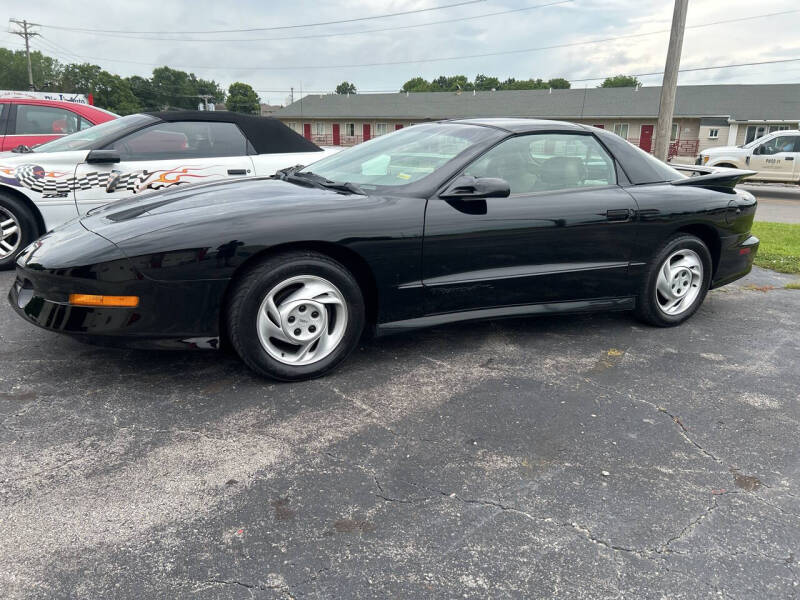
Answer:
(17, 229)
(676, 282)
(295, 316)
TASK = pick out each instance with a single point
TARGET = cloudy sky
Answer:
(315, 58)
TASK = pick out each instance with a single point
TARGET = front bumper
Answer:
(169, 314)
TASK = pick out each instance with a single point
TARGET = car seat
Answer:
(561, 172)
(515, 169)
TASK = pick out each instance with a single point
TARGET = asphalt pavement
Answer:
(776, 203)
(565, 457)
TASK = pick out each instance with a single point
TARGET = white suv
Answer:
(776, 157)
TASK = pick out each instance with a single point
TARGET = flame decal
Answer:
(179, 173)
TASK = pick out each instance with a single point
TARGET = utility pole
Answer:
(291, 95)
(205, 98)
(669, 85)
(26, 33)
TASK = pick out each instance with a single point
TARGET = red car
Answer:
(30, 122)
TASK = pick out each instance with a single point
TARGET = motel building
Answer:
(705, 115)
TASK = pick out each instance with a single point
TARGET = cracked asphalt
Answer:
(566, 457)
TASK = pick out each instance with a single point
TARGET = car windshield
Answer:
(96, 136)
(402, 157)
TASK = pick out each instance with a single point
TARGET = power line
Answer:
(276, 28)
(344, 33)
(694, 69)
(449, 58)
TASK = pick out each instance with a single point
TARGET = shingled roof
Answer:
(739, 102)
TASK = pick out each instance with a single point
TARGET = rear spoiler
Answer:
(711, 177)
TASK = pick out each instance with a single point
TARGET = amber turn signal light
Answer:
(93, 300)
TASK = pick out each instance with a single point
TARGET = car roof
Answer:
(81, 109)
(521, 125)
(267, 134)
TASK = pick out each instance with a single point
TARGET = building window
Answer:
(319, 128)
(754, 132)
(293, 126)
(673, 135)
(350, 129)
(778, 128)
(713, 134)
(381, 129)
(621, 129)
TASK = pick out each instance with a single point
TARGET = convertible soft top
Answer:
(268, 135)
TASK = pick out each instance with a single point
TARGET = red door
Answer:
(366, 130)
(337, 138)
(307, 130)
(646, 138)
(398, 126)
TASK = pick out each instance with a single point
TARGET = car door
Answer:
(775, 159)
(33, 124)
(565, 232)
(162, 155)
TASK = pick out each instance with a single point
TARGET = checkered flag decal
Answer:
(51, 187)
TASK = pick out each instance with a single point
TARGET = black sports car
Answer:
(435, 223)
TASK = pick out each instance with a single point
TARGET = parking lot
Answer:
(580, 457)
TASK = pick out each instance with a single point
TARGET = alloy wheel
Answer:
(302, 320)
(10, 234)
(679, 282)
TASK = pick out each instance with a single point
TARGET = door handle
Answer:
(790, 158)
(619, 214)
(237, 172)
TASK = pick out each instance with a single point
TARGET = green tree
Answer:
(450, 83)
(417, 84)
(14, 70)
(113, 93)
(173, 88)
(142, 89)
(559, 83)
(620, 81)
(242, 98)
(79, 78)
(486, 83)
(346, 88)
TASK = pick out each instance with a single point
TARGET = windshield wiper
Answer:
(22, 149)
(293, 175)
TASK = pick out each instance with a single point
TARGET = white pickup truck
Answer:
(775, 157)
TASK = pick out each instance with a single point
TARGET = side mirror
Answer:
(466, 186)
(103, 157)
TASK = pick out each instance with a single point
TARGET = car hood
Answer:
(12, 160)
(724, 150)
(186, 206)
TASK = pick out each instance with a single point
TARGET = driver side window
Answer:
(547, 162)
(182, 140)
(784, 143)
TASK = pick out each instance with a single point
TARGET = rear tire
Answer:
(676, 282)
(18, 228)
(295, 316)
